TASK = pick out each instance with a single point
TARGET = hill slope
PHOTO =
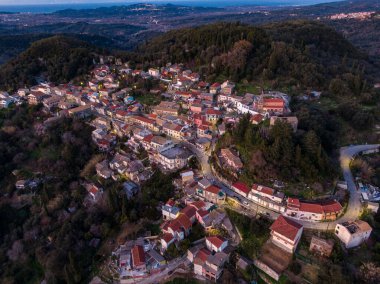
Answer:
(297, 53)
(58, 58)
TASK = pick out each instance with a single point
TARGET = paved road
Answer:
(161, 276)
(346, 154)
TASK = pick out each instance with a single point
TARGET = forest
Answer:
(58, 58)
(48, 232)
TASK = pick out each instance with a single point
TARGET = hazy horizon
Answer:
(119, 2)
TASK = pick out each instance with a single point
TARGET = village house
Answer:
(228, 88)
(81, 111)
(212, 115)
(138, 258)
(241, 188)
(216, 243)
(166, 108)
(207, 263)
(169, 210)
(353, 233)
(36, 97)
(174, 158)
(313, 211)
(172, 130)
(286, 233)
(211, 193)
(267, 197)
(272, 105)
(231, 159)
(215, 88)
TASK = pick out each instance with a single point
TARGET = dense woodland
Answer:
(46, 232)
(278, 153)
(58, 58)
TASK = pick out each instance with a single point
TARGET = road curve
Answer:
(346, 154)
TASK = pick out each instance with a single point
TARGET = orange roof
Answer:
(216, 241)
(286, 227)
(144, 119)
(202, 212)
(263, 189)
(138, 255)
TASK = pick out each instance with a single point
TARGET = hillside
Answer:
(301, 54)
(57, 58)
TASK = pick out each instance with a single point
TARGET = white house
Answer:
(353, 233)
(216, 243)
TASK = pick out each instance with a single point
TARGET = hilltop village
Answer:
(174, 128)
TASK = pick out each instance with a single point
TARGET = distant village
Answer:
(191, 116)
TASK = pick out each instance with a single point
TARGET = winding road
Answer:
(346, 154)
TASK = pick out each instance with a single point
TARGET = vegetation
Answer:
(59, 59)
(255, 232)
(47, 232)
(278, 153)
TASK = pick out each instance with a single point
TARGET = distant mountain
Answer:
(135, 9)
(58, 58)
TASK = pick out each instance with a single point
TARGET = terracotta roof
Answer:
(198, 204)
(286, 227)
(202, 212)
(294, 202)
(241, 186)
(213, 111)
(189, 211)
(203, 253)
(333, 206)
(213, 189)
(273, 102)
(216, 241)
(148, 138)
(167, 237)
(263, 189)
(138, 256)
(144, 119)
(215, 85)
(311, 207)
(184, 221)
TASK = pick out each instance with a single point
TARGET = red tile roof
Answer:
(203, 254)
(311, 207)
(148, 138)
(216, 241)
(286, 227)
(189, 211)
(202, 212)
(184, 221)
(198, 204)
(294, 202)
(241, 186)
(213, 189)
(331, 207)
(138, 256)
(167, 237)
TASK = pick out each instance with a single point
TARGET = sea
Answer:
(50, 8)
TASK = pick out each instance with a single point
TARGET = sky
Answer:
(37, 2)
